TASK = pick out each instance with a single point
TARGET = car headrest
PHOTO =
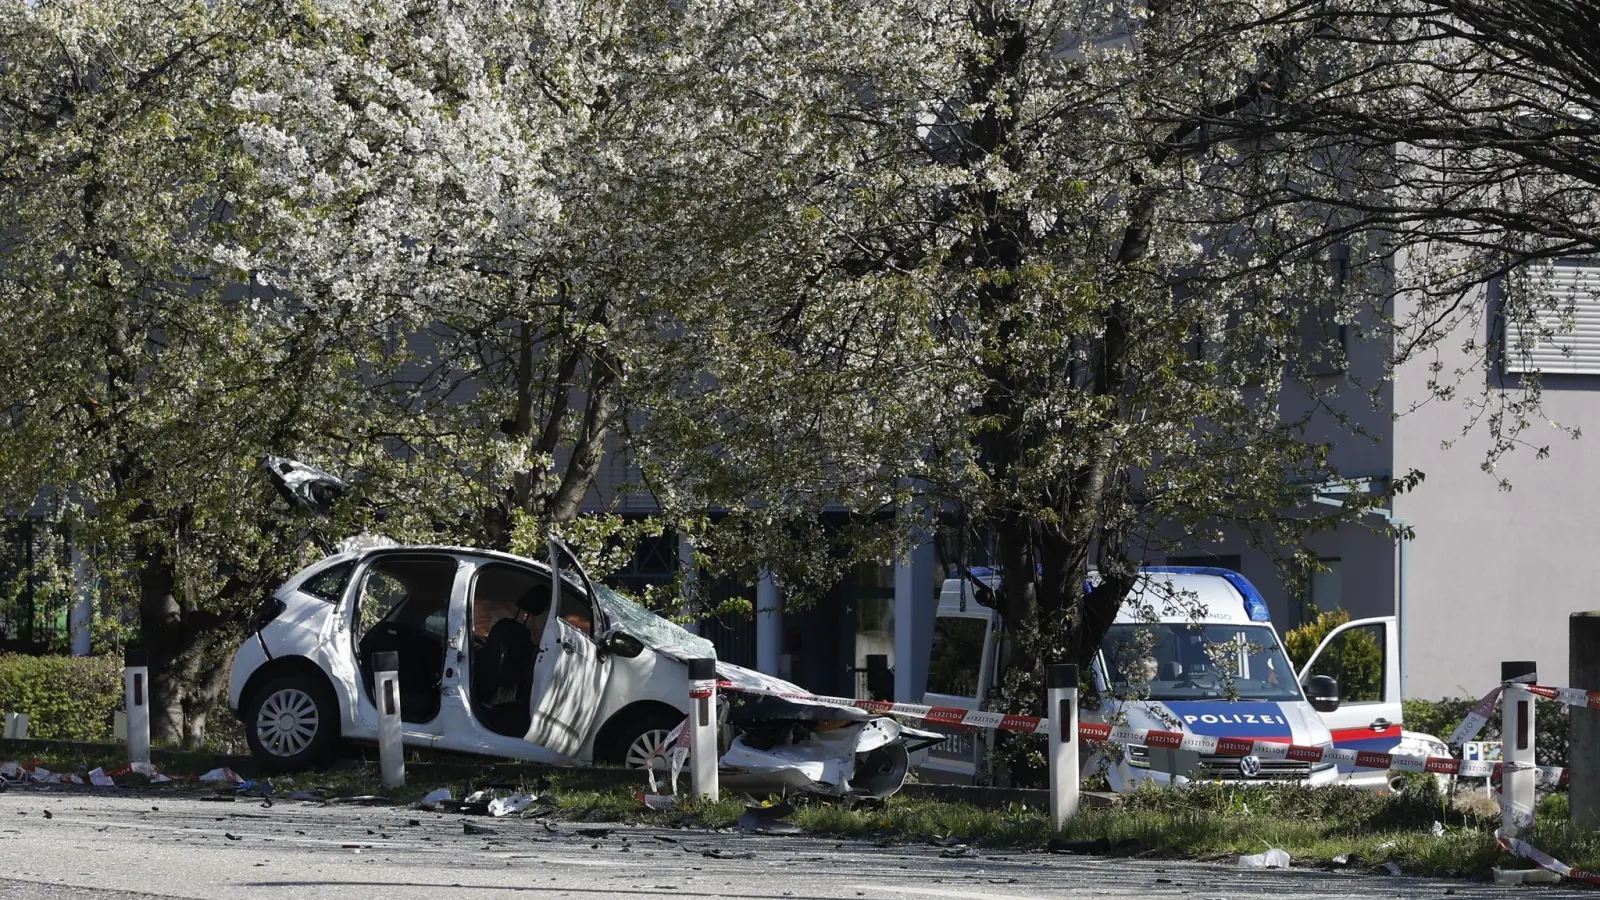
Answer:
(535, 601)
(1171, 671)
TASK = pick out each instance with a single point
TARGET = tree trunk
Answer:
(161, 634)
(183, 642)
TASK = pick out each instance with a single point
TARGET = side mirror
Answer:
(1323, 693)
(623, 644)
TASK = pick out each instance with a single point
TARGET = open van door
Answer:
(960, 668)
(1364, 657)
(570, 675)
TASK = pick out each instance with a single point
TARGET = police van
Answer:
(1193, 649)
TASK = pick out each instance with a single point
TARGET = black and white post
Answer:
(1061, 681)
(1519, 778)
(391, 747)
(136, 694)
(703, 728)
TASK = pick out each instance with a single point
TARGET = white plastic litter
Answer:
(1524, 876)
(437, 796)
(1438, 829)
(99, 778)
(1272, 859)
(222, 775)
(477, 797)
(1392, 868)
(509, 806)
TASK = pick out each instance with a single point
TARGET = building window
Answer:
(1208, 561)
(1323, 338)
(1561, 333)
(1325, 589)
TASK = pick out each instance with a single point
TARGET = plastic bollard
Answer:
(136, 694)
(1518, 776)
(703, 728)
(391, 745)
(17, 726)
(1061, 683)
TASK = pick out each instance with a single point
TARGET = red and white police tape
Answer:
(1094, 732)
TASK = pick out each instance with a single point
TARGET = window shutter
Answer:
(1544, 344)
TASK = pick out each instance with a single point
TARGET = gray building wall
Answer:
(1494, 574)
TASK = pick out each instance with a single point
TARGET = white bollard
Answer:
(136, 694)
(17, 726)
(703, 755)
(1518, 778)
(391, 744)
(1061, 682)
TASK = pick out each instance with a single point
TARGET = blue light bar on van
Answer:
(1254, 604)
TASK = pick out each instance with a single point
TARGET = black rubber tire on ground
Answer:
(309, 734)
(620, 737)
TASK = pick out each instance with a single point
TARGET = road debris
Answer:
(1271, 859)
(520, 805)
(361, 800)
(658, 802)
(1094, 847)
(469, 828)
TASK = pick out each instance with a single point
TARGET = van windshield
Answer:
(1189, 661)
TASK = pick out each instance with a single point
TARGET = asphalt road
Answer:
(104, 846)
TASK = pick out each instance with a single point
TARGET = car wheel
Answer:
(291, 723)
(633, 746)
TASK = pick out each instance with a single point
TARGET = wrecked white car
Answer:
(499, 658)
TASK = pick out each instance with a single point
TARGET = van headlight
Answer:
(1139, 756)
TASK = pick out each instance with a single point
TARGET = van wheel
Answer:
(635, 744)
(291, 723)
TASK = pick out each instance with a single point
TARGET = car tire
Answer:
(627, 744)
(291, 723)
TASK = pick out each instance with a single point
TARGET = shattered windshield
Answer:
(1184, 661)
(652, 630)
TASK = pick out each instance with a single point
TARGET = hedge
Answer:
(65, 697)
(1440, 717)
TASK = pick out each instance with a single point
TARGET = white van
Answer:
(1211, 627)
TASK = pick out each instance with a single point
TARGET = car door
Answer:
(959, 670)
(1364, 657)
(569, 678)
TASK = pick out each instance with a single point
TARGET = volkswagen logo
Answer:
(1250, 766)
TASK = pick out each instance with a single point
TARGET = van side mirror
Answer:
(623, 644)
(1322, 691)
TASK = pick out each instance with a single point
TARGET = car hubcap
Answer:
(287, 722)
(650, 745)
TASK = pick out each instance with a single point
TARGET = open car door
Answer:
(570, 675)
(1364, 657)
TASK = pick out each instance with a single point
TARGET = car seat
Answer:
(502, 678)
